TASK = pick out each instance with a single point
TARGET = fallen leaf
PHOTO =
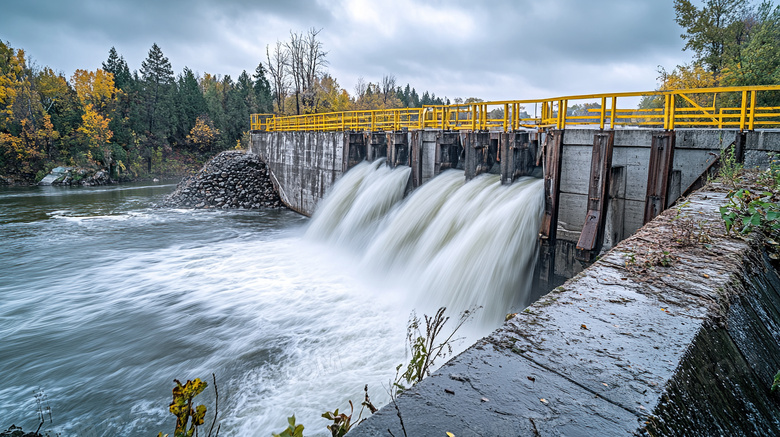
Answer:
(544, 401)
(449, 434)
(604, 384)
(583, 326)
(531, 378)
(705, 275)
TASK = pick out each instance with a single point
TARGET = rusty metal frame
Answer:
(658, 173)
(552, 183)
(592, 235)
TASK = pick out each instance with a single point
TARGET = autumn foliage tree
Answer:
(203, 135)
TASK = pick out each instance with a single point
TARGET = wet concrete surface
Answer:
(665, 335)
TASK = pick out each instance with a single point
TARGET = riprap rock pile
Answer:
(232, 179)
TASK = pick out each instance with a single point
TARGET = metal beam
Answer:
(658, 173)
(592, 235)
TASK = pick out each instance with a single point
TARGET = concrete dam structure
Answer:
(685, 349)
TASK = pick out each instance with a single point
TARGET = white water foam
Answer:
(450, 243)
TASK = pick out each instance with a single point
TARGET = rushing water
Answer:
(104, 300)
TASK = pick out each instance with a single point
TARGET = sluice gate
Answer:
(600, 185)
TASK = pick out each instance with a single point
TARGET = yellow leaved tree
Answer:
(203, 135)
(94, 88)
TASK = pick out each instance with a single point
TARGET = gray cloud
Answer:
(494, 50)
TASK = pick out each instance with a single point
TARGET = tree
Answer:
(189, 102)
(94, 88)
(388, 87)
(203, 135)
(95, 128)
(157, 114)
(305, 61)
(330, 97)
(236, 119)
(759, 62)
(360, 88)
(117, 66)
(262, 90)
(715, 32)
(277, 68)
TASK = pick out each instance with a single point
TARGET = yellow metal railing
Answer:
(723, 107)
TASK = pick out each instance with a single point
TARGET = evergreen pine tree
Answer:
(156, 96)
(189, 104)
(263, 94)
(117, 66)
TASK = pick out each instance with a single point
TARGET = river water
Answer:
(104, 300)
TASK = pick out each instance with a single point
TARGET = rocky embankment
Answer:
(232, 179)
(76, 176)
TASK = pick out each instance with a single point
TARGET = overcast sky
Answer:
(494, 50)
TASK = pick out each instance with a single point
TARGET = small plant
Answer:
(182, 407)
(775, 383)
(771, 177)
(687, 231)
(662, 258)
(730, 169)
(424, 347)
(749, 211)
(292, 430)
(343, 423)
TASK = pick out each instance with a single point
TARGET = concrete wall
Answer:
(695, 150)
(306, 164)
(303, 165)
(690, 348)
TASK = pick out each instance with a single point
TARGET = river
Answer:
(104, 300)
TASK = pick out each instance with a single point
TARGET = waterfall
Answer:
(449, 243)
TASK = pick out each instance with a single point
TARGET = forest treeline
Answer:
(150, 122)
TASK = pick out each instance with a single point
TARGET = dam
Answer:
(606, 179)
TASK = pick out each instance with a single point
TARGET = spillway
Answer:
(449, 243)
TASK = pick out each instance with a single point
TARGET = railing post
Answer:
(603, 113)
(752, 121)
(612, 113)
(666, 111)
(506, 116)
(742, 112)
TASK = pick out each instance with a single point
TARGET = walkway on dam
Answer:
(743, 108)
